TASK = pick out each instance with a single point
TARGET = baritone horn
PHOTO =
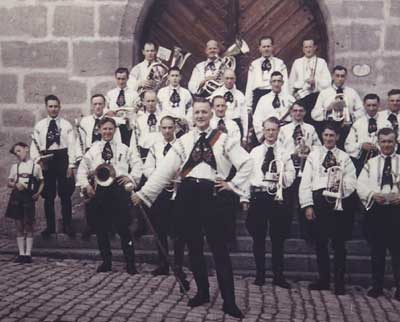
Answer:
(274, 175)
(334, 188)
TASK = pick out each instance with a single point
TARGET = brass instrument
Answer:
(302, 151)
(371, 153)
(339, 110)
(179, 57)
(300, 93)
(334, 188)
(79, 128)
(228, 62)
(276, 178)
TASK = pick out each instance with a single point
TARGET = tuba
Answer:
(228, 62)
(274, 175)
(339, 110)
(334, 188)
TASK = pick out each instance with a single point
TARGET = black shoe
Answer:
(260, 279)
(340, 289)
(104, 267)
(19, 259)
(281, 282)
(375, 292)
(160, 270)
(232, 310)
(397, 294)
(186, 286)
(131, 269)
(27, 259)
(178, 271)
(46, 234)
(199, 299)
(70, 232)
(86, 234)
(318, 286)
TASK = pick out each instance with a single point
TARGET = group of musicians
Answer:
(180, 156)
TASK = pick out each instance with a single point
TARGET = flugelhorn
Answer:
(334, 188)
(274, 175)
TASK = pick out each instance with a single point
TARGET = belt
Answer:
(198, 180)
(258, 189)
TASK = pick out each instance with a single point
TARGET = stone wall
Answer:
(71, 48)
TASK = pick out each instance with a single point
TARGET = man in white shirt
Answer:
(329, 218)
(55, 135)
(392, 113)
(308, 77)
(109, 193)
(270, 161)
(276, 103)
(203, 157)
(260, 70)
(235, 102)
(361, 143)
(378, 189)
(206, 70)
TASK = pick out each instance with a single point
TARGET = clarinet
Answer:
(81, 143)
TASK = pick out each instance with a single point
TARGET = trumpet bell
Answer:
(104, 175)
(239, 47)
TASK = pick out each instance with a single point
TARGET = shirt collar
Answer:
(225, 89)
(335, 87)
(172, 88)
(172, 142)
(393, 155)
(57, 119)
(326, 150)
(207, 131)
(266, 145)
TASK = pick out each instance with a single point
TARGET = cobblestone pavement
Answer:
(69, 290)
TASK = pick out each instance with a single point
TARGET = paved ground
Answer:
(70, 290)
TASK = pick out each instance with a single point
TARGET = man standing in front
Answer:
(203, 157)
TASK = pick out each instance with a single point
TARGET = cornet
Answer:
(339, 110)
(302, 151)
(334, 187)
(274, 175)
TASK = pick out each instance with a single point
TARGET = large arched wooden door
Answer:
(190, 23)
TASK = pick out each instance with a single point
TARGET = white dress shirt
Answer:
(265, 110)
(131, 98)
(227, 152)
(257, 78)
(155, 156)
(123, 158)
(67, 138)
(232, 128)
(23, 171)
(139, 74)
(185, 103)
(359, 134)
(285, 138)
(146, 135)
(302, 70)
(315, 177)
(236, 109)
(200, 72)
(327, 96)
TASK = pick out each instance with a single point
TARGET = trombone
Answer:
(334, 188)
(274, 176)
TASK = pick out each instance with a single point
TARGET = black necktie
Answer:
(53, 134)
(297, 133)
(372, 127)
(210, 66)
(329, 160)
(96, 136)
(107, 153)
(222, 126)
(393, 119)
(175, 98)
(121, 98)
(276, 103)
(228, 97)
(339, 90)
(266, 65)
(387, 173)
(207, 154)
(151, 120)
(269, 156)
(166, 148)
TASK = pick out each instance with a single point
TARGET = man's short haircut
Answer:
(216, 97)
(266, 38)
(339, 68)
(199, 99)
(330, 125)
(105, 120)
(371, 96)
(276, 73)
(21, 144)
(298, 103)
(122, 70)
(386, 131)
(394, 91)
(51, 97)
(310, 38)
(98, 95)
(150, 43)
(168, 117)
(272, 119)
(174, 68)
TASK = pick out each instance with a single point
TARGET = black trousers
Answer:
(257, 94)
(56, 182)
(382, 226)
(330, 225)
(163, 221)
(196, 217)
(266, 213)
(111, 206)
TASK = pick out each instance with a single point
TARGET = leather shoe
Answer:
(27, 259)
(260, 279)
(340, 289)
(199, 299)
(104, 267)
(232, 310)
(19, 259)
(186, 286)
(131, 269)
(397, 294)
(160, 270)
(318, 286)
(375, 292)
(281, 282)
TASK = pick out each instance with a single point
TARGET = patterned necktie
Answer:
(206, 153)
(222, 126)
(228, 97)
(166, 148)
(151, 120)
(372, 127)
(96, 136)
(121, 98)
(276, 103)
(53, 134)
(210, 66)
(387, 173)
(269, 156)
(297, 133)
(339, 90)
(395, 123)
(266, 65)
(107, 153)
(329, 160)
(175, 98)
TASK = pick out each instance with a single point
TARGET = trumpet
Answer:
(301, 153)
(339, 111)
(274, 175)
(300, 93)
(366, 155)
(334, 188)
